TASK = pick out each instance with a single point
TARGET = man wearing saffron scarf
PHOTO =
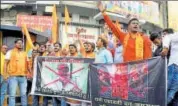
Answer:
(16, 60)
(136, 46)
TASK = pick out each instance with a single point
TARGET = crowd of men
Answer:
(134, 45)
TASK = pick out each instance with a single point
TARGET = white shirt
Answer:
(172, 40)
(8, 55)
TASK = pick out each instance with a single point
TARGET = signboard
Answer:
(39, 23)
(89, 34)
(146, 10)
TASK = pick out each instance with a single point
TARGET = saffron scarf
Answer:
(138, 45)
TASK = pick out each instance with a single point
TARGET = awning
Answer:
(123, 19)
(8, 27)
(114, 17)
(18, 29)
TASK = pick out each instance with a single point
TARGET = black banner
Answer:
(140, 83)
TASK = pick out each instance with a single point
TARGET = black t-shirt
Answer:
(159, 50)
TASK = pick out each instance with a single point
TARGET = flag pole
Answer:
(23, 38)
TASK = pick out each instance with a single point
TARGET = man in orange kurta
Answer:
(88, 50)
(136, 45)
(16, 67)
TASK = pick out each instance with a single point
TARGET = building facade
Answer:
(83, 14)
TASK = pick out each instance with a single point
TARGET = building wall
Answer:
(8, 16)
(77, 10)
(164, 12)
(173, 14)
(81, 17)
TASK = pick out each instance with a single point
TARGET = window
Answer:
(101, 21)
(84, 19)
(47, 13)
(34, 13)
(63, 15)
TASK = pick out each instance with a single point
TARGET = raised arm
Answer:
(117, 32)
(82, 48)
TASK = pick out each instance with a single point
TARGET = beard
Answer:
(88, 51)
(56, 50)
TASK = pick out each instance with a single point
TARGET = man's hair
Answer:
(133, 19)
(19, 39)
(60, 45)
(104, 41)
(153, 36)
(36, 43)
(86, 42)
(73, 46)
(168, 30)
(43, 45)
(92, 45)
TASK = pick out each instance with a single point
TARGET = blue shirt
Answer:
(30, 53)
(103, 56)
(118, 57)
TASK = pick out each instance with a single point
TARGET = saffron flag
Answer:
(67, 18)
(55, 25)
(29, 43)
